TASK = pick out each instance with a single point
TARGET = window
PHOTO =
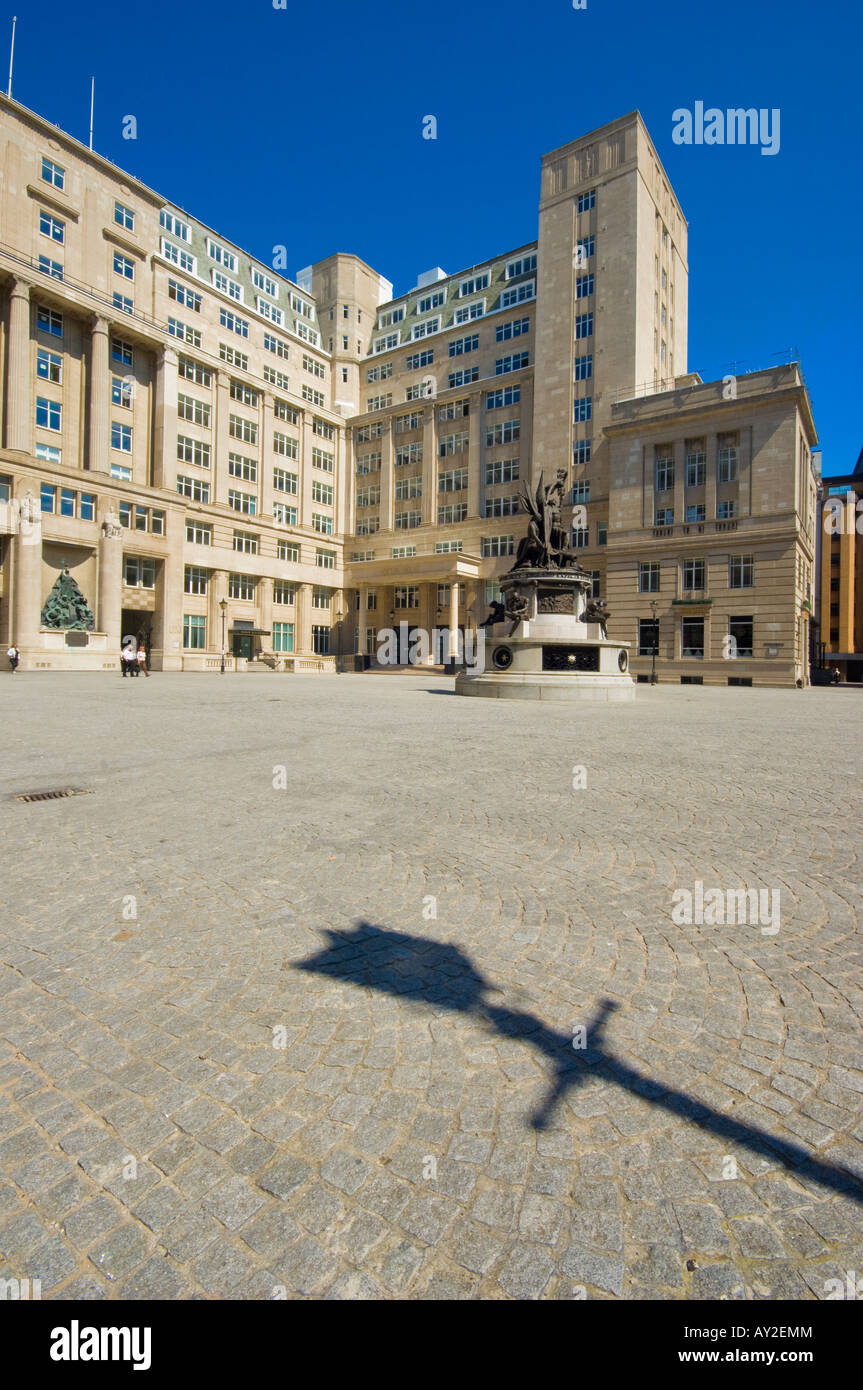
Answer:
(459, 346)
(320, 640)
(431, 301)
(49, 366)
(194, 632)
(323, 428)
(585, 248)
(463, 377)
(581, 491)
(692, 637)
(403, 423)
(583, 368)
(494, 546)
(233, 290)
(453, 443)
(725, 510)
(157, 521)
(727, 460)
(405, 454)
(523, 266)
(52, 268)
(241, 467)
(194, 488)
(246, 542)
(53, 174)
(322, 598)
(403, 552)
(601, 533)
(139, 572)
(276, 345)
(381, 373)
(475, 284)
(52, 227)
(174, 225)
(322, 492)
(276, 378)
(582, 409)
(448, 547)
(580, 537)
(696, 467)
(512, 363)
(123, 303)
(49, 321)
(424, 329)
(195, 579)
(286, 446)
(454, 410)
(379, 402)
(741, 572)
(692, 576)
(740, 631)
(505, 433)
(391, 316)
(285, 482)
(242, 502)
(311, 364)
(583, 286)
(240, 428)
(371, 496)
(583, 325)
(122, 352)
(391, 340)
(586, 201)
(181, 330)
(696, 512)
(124, 217)
(284, 515)
(221, 255)
(664, 470)
(194, 371)
(177, 256)
(648, 577)
(407, 521)
(648, 636)
(242, 586)
(193, 451)
(454, 480)
(468, 312)
(407, 596)
(263, 283)
(412, 362)
(49, 498)
(504, 471)
(183, 295)
(664, 516)
(124, 266)
(518, 294)
(195, 411)
(48, 413)
(514, 329)
(228, 319)
(283, 637)
(405, 489)
(122, 473)
(502, 506)
(581, 451)
(283, 411)
(325, 559)
(369, 463)
(49, 453)
(284, 593)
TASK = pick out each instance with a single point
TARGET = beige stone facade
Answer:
(299, 464)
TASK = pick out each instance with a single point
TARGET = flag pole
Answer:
(92, 98)
(11, 56)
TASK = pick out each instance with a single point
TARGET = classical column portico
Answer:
(99, 397)
(19, 409)
(453, 620)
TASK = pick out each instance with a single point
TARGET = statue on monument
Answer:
(545, 545)
(66, 607)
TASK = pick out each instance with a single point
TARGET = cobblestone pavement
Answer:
(241, 1057)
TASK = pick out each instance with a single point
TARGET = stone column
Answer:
(474, 475)
(19, 401)
(164, 468)
(265, 611)
(110, 619)
(99, 440)
(217, 589)
(362, 618)
(267, 461)
(679, 453)
(27, 580)
(221, 440)
(429, 500)
(711, 445)
(453, 619)
(387, 475)
(303, 619)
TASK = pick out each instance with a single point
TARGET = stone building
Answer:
(232, 462)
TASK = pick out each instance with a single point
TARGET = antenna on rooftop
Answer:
(11, 56)
(92, 99)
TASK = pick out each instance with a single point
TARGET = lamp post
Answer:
(223, 604)
(339, 616)
(655, 642)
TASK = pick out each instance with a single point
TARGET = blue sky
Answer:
(303, 126)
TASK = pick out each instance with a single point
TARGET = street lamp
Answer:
(339, 616)
(655, 642)
(223, 604)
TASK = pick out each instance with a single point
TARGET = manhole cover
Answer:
(56, 795)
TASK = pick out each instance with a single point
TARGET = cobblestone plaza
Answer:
(341, 987)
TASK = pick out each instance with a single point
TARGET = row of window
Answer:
(436, 298)
(727, 459)
(195, 635)
(741, 574)
(738, 642)
(725, 511)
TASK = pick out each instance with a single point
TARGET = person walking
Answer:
(142, 659)
(129, 660)
(14, 657)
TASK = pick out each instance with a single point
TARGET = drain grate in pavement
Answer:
(56, 795)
